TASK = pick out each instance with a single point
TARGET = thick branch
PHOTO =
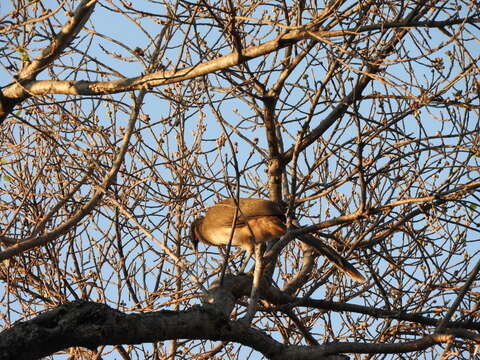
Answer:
(48, 55)
(154, 79)
(380, 313)
(90, 325)
(410, 346)
(60, 42)
(239, 285)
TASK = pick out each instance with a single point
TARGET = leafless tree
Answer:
(122, 121)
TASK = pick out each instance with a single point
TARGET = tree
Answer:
(122, 121)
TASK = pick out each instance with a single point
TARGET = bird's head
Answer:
(195, 236)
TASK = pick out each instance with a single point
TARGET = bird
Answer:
(257, 221)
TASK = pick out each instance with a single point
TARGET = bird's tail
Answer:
(333, 256)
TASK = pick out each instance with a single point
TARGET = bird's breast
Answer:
(220, 235)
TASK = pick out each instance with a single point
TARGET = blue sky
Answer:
(426, 122)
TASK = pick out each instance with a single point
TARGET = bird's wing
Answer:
(222, 214)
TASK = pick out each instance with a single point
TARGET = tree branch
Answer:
(48, 55)
(90, 325)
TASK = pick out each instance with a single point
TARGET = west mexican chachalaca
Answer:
(257, 221)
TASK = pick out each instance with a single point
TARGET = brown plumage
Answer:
(257, 221)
